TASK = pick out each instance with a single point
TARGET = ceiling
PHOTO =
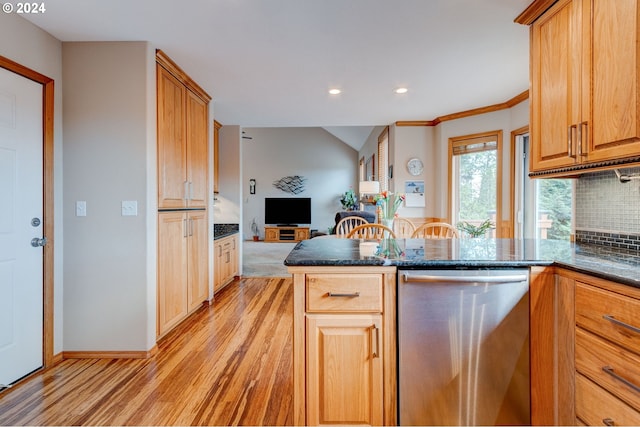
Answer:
(270, 63)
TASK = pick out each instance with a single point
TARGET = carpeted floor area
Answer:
(262, 259)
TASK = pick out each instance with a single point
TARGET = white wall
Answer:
(410, 142)
(109, 157)
(506, 120)
(329, 166)
(226, 207)
(36, 49)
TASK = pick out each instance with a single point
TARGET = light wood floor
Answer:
(229, 364)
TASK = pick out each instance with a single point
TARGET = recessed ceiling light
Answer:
(334, 91)
(401, 90)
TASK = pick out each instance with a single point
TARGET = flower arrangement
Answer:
(388, 203)
(475, 230)
(349, 200)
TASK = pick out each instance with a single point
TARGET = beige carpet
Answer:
(262, 259)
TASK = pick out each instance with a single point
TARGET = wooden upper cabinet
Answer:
(183, 159)
(172, 147)
(585, 97)
(615, 75)
(197, 151)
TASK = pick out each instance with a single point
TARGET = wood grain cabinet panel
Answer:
(172, 270)
(183, 278)
(344, 353)
(344, 370)
(172, 136)
(585, 91)
(182, 144)
(596, 406)
(225, 261)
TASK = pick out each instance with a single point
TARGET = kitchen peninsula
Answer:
(581, 298)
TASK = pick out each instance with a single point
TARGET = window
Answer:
(544, 207)
(475, 174)
(383, 159)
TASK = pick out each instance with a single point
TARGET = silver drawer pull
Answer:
(609, 370)
(608, 422)
(353, 295)
(612, 319)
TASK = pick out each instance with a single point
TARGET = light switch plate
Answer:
(81, 208)
(129, 208)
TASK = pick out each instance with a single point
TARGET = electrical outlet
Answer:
(81, 208)
(129, 208)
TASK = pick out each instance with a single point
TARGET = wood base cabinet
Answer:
(585, 85)
(225, 261)
(344, 345)
(183, 278)
(285, 234)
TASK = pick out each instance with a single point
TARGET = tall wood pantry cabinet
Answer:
(183, 232)
(585, 84)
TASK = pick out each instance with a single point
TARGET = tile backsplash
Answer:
(608, 211)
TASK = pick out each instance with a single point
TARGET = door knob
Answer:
(35, 242)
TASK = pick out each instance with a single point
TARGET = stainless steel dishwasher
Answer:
(463, 347)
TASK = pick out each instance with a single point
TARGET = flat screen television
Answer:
(287, 210)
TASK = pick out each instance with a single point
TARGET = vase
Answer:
(389, 223)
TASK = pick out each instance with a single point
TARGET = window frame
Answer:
(473, 139)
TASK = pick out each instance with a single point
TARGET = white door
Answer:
(21, 210)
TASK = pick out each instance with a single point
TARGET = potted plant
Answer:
(349, 200)
(475, 230)
(255, 231)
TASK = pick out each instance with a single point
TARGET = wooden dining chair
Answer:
(403, 227)
(348, 223)
(371, 231)
(436, 230)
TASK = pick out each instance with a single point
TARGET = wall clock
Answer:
(415, 166)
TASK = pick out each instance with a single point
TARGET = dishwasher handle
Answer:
(408, 277)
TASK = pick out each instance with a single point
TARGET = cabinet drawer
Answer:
(610, 315)
(594, 405)
(593, 354)
(344, 292)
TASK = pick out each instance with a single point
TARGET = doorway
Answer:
(22, 221)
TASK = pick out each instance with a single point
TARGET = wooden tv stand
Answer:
(285, 234)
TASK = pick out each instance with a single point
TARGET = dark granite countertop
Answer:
(612, 264)
(224, 230)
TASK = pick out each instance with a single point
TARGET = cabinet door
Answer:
(198, 274)
(302, 234)
(615, 127)
(233, 268)
(172, 153)
(344, 369)
(555, 86)
(217, 265)
(172, 269)
(197, 150)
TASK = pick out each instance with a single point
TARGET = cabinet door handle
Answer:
(609, 370)
(376, 330)
(184, 228)
(338, 295)
(608, 422)
(190, 226)
(570, 141)
(583, 153)
(612, 319)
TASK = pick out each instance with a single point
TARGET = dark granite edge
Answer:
(220, 236)
(462, 265)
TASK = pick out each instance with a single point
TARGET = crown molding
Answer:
(474, 112)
